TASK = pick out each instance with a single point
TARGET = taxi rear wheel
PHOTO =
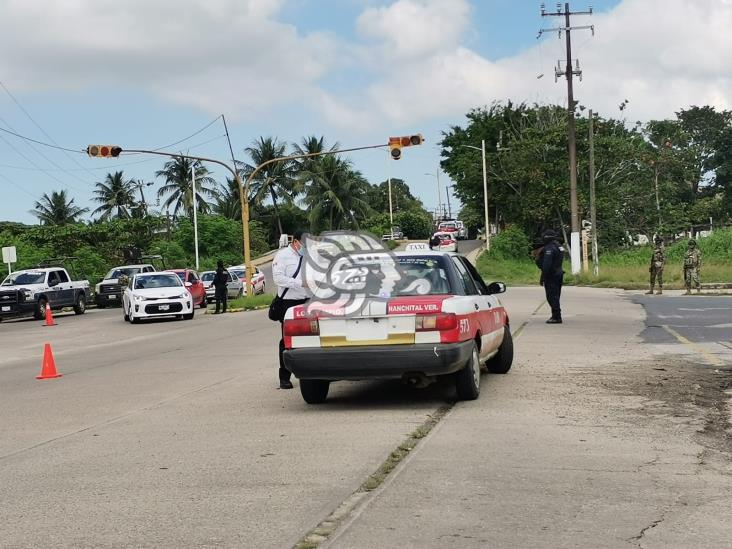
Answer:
(467, 380)
(502, 360)
(314, 391)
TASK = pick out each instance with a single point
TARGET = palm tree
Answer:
(57, 209)
(177, 174)
(227, 199)
(114, 193)
(305, 167)
(336, 196)
(275, 180)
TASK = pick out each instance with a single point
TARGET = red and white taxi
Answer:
(442, 319)
(448, 242)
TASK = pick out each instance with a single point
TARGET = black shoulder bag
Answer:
(277, 308)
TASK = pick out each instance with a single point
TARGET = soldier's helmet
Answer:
(658, 240)
(692, 243)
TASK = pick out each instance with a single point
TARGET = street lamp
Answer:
(139, 185)
(485, 194)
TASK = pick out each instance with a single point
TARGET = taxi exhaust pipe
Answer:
(417, 380)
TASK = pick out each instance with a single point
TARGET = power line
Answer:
(44, 132)
(21, 189)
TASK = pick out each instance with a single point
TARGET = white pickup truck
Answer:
(31, 291)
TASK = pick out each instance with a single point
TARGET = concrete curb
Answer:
(473, 255)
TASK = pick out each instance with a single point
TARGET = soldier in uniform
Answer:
(658, 260)
(692, 264)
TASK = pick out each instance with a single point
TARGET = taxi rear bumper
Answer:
(377, 361)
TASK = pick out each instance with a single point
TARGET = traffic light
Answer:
(104, 151)
(396, 144)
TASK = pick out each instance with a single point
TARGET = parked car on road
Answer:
(109, 291)
(440, 319)
(31, 291)
(159, 294)
(194, 284)
(235, 286)
(258, 281)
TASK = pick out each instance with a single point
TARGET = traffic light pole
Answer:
(244, 187)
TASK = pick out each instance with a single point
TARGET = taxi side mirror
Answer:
(496, 288)
(188, 284)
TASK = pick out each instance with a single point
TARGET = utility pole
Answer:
(593, 204)
(449, 208)
(195, 212)
(568, 73)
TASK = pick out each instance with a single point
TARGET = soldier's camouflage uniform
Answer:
(658, 260)
(692, 265)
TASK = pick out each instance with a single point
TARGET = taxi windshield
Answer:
(157, 281)
(208, 276)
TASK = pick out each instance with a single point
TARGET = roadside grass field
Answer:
(626, 269)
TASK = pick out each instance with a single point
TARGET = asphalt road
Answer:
(174, 434)
(704, 320)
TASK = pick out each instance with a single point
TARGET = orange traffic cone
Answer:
(49, 316)
(48, 368)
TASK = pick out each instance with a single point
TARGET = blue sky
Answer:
(144, 74)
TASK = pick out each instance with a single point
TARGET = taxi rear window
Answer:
(422, 276)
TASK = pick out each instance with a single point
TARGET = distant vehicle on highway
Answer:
(194, 284)
(451, 227)
(258, 282)
(159, 294)
(448, 241)
(235, 286)
(30, 292)
(462, 230)
(440, 319)
(109, 291)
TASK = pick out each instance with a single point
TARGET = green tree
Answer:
(57, 209)
(275, 181)
(116, 196)
(179, 188)
(227, 202)
(336, 196)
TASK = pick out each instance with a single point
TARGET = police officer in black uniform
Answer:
(550, 262)
(220, 284)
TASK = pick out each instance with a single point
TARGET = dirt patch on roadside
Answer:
(675, 391)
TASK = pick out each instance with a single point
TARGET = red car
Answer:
(194, 284)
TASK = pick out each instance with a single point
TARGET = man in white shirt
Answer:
(286, 274)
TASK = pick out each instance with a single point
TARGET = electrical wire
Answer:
(21, 189)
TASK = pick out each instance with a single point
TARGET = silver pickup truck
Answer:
(31, 291)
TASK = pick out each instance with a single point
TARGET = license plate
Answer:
(163, 307)
(112, 297)
(365, 329)
(6, 308)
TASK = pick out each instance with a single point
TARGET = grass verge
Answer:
(614, 273)
(252, 303)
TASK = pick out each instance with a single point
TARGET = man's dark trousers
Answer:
(221, 297)
(553, 290)
(287, 303)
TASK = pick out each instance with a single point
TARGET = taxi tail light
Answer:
(301, 327)
(439, 322)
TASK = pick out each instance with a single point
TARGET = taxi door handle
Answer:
(476, 306)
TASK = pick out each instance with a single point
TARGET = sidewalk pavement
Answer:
(564, 451)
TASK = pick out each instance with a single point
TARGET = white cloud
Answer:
(661, 55)
(234, 56)
(414, 28)
(210, 54)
